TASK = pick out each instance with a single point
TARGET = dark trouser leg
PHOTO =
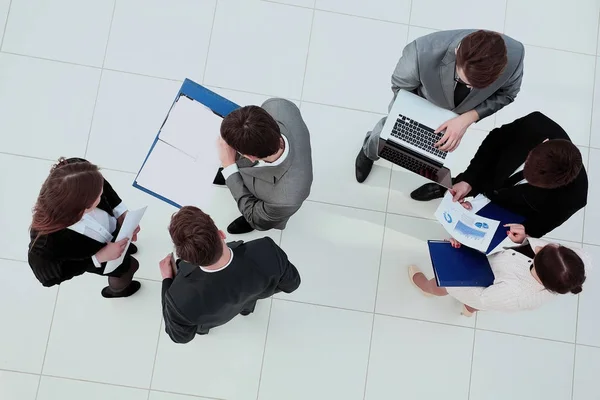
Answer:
(248, 308)
(202, 331)
(371, 142)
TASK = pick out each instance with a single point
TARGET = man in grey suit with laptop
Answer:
(474, 73)
(273, 176)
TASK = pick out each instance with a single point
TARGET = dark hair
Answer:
(196, 237)
(71, 187)
(553, 164)
(482, 57)
(251, 131)
(560, 269)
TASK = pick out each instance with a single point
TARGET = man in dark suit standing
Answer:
(530, 167)
(215, 280)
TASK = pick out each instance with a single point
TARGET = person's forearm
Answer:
(472, 115)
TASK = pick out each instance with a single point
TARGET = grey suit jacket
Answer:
(428, 65)
(268, 196)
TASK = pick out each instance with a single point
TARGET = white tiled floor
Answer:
(94, 78)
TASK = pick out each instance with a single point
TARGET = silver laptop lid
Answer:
(418, 110)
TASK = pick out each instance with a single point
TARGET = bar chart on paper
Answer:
(464, 225)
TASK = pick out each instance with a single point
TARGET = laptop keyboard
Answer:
(409, 163)
(418, 135)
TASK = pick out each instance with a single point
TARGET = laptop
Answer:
(408, 137)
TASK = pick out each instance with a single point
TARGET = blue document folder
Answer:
(494, 211)
(459, 267)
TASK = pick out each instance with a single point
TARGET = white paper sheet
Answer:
(478, 202)
(130, 223)
(185, 160)
(178, 177)
(188, 126)
(464, 225)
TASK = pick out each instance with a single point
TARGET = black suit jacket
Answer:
(196, 301)
(62, 255)
(502, 152)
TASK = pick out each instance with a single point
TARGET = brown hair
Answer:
(553, 164)
(560, 269)
(251, 131)
(482, 57)
(70, 188)
(195, 236)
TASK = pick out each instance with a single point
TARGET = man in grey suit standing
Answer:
(273, 176)
(473, 73)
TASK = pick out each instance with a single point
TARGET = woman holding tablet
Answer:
(526, 277)
(75, 219)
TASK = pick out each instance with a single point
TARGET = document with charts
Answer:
(465, 226)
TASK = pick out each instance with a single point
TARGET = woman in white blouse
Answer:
(526, 277)
(75, 219)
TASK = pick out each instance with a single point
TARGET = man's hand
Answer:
(455, 130)
(226, 153)
(516, 233)
(167, 267)
(460, 190)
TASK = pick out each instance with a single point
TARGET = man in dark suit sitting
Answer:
(215, 280)
(530, 167)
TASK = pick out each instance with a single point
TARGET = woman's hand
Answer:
(516, 233)
(120, 221)
(121, 218)
(455, 243)
(112, 251)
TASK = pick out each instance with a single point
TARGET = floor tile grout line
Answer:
(93, 67)
(310, 33)
(19, 372)
(472, 358)
(575, 349)
(87, 143)
(413, 25)
(126, 386)
(155, 356)
(505, 16)
(108, 384)
(212, 28)
(5, 24)
(377, 288)
(412, 2)
(262, 363)
(48, 340)
(12, 53)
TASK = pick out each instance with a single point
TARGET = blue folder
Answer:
(218, 104)
(459, 267)
(494, 211)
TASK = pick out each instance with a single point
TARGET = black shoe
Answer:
(203, 332)
(363, 166)
(132, 249)
(239, 226)
(133, 287)
(219, 178)
(427, 192)
(245, 313)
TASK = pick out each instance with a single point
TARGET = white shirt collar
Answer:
(281, 159)
(96, 225)
(223, 267)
